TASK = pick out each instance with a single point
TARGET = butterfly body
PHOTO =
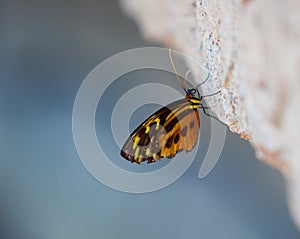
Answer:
(169, 130)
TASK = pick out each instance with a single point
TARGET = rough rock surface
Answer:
(251, 49)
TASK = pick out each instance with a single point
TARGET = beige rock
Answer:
(251, 48)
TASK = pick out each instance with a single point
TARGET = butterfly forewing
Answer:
(168, 131)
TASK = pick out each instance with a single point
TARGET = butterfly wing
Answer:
(168, 131)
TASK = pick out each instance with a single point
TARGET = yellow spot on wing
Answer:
(148, 153)
(136, 154)
(157, 123)
(147, 129)
(136, 141)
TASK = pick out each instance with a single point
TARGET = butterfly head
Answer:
(191, 92)
(194, 100)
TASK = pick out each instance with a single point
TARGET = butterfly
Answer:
(168, 131)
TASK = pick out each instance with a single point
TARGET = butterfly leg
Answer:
(204, 111)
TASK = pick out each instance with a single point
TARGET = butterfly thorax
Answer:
(194, 101)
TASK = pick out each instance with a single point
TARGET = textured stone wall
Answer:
(252, 51)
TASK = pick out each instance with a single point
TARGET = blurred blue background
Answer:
(46, 50)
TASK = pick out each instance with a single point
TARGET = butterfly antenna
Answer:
(174, 68)
(186, 76)
(208, 76)
(211, 94)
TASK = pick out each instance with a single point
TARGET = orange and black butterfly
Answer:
(169, 130)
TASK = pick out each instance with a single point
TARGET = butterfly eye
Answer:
(191, 91)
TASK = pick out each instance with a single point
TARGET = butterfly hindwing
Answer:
(168, 131)
(183, 136)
